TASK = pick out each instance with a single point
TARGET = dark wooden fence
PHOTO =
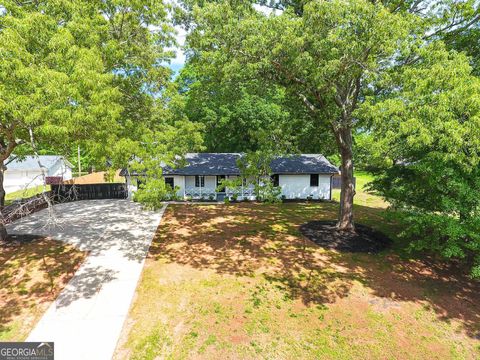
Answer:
(71, 192)
(337, 182)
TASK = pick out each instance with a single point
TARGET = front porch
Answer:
(211, 194)
(205, 188)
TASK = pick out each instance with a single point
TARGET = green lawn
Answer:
(240, 282)
(23, 194)
(363, 197)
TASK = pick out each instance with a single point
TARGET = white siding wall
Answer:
(293, 186)
(21, 180)
(298, 187)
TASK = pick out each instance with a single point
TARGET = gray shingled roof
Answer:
(226, 164)
(30, 162)
(208, 164)
(303, 164)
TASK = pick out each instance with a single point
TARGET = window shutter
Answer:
(202, 181)
(197, 181)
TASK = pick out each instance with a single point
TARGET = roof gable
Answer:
(30, 162)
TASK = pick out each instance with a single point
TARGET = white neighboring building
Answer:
(24, 173)
(299, 176)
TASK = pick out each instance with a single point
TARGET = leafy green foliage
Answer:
(52, 78)
(430, 130)
(268, 193)
(324, 56)
(238, 112)
(153, 192)
(81, 71)
(92, 73)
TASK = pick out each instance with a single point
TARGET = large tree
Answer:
(53, 84)
(129, 40)
(326, 56)
(429, 128)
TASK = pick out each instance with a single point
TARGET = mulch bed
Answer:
(363, 240)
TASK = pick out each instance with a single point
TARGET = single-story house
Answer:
(25, 172)
(299, 176)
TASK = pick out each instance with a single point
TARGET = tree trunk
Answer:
(344, 142)
(2, 190)
(3, 230)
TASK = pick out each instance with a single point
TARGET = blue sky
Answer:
(179, 61)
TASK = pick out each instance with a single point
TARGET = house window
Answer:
(275, 180)
(199, 181)
(314, 180)
(169, 181)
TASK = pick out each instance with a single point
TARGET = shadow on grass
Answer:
(255, 239)
(32, 272)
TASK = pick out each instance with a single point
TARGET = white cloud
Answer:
(181, 35)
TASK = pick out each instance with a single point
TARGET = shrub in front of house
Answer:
(153, 193)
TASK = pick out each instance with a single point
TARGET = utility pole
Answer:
(79, 164)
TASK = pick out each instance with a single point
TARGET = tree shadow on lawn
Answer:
(32, 273)
(255, 239)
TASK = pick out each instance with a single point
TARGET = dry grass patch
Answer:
(32, 273)
(241, 282)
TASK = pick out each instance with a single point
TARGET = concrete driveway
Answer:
(86, 319)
